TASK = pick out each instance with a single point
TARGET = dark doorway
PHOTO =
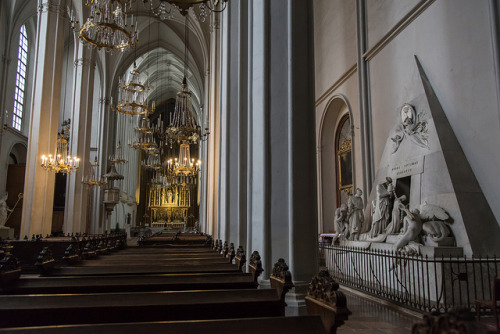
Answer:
(403, 186)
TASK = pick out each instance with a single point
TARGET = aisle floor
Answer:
(370, 316)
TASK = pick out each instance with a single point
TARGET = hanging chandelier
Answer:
(132, 95)
(92, 179)
(183, 126)
(152, 162)
(110, 25)
(118, 158)
(164, 8)
(184, 170)
(161, 180)
(146, 143)
(61, 162)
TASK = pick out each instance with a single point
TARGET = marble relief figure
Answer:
(355, 214)
(382, 211)
(341, 224)
(394, 226)
(410, 127)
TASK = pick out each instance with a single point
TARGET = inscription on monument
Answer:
(408, 167)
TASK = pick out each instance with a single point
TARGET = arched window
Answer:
(22, 61)
(343, 143)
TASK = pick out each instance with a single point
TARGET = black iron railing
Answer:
(416, 282)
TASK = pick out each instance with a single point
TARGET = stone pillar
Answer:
(234, 177)
(39, 183)
(364, 100)
(281, 141)
(212, 162)
(81, 127)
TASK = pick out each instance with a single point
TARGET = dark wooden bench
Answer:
(42, 254)
(64, 309)
(136, 283)
(142, 269)
(275, 325)
(153, 262)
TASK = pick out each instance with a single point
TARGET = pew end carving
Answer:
(281, 279)
(255, 267)
(324, 299)
(240, 258)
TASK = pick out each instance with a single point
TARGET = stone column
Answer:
(39, 183)
(81, 127)
(364, 100)
(212, 162)
(281, 141)
(235, 126)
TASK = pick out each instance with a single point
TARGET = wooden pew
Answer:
(274, 325)
(42, 254)
(136, 283)
(64, 309)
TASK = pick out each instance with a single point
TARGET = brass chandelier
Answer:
(61, 162)
(110, 25)
(132, 95)
(92, 180)
(183, 170)
(118, 158)
(164, 8)
(183, 127)
(152, 162)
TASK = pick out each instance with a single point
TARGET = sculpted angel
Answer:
(428, 222)
(410, 127)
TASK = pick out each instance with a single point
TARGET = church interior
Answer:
(169, 165)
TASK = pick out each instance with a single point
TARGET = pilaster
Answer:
(39, 184)
(76, 209)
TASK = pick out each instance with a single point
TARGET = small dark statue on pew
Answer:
(281, 278)
(240, 258)
(255, 266)
(324, 299)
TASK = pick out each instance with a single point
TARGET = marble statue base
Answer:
(431, 249)
(6, 233)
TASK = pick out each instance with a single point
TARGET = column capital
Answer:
(48, 6)
(84, 62)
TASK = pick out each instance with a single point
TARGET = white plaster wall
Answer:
(334, 41)
(453, 42)
(382, 16)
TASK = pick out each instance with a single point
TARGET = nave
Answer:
(170, 282)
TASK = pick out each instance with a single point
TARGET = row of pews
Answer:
(173, 283)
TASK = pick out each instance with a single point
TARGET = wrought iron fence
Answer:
(416, 282)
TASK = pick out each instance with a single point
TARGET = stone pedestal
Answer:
(6, 233)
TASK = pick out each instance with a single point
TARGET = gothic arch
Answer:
(336, 108)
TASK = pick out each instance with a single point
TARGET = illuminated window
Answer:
(22, 61)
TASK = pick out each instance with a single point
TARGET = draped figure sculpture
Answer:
(382, 214)
(394, 226)
(4, 210)
(355, 214)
